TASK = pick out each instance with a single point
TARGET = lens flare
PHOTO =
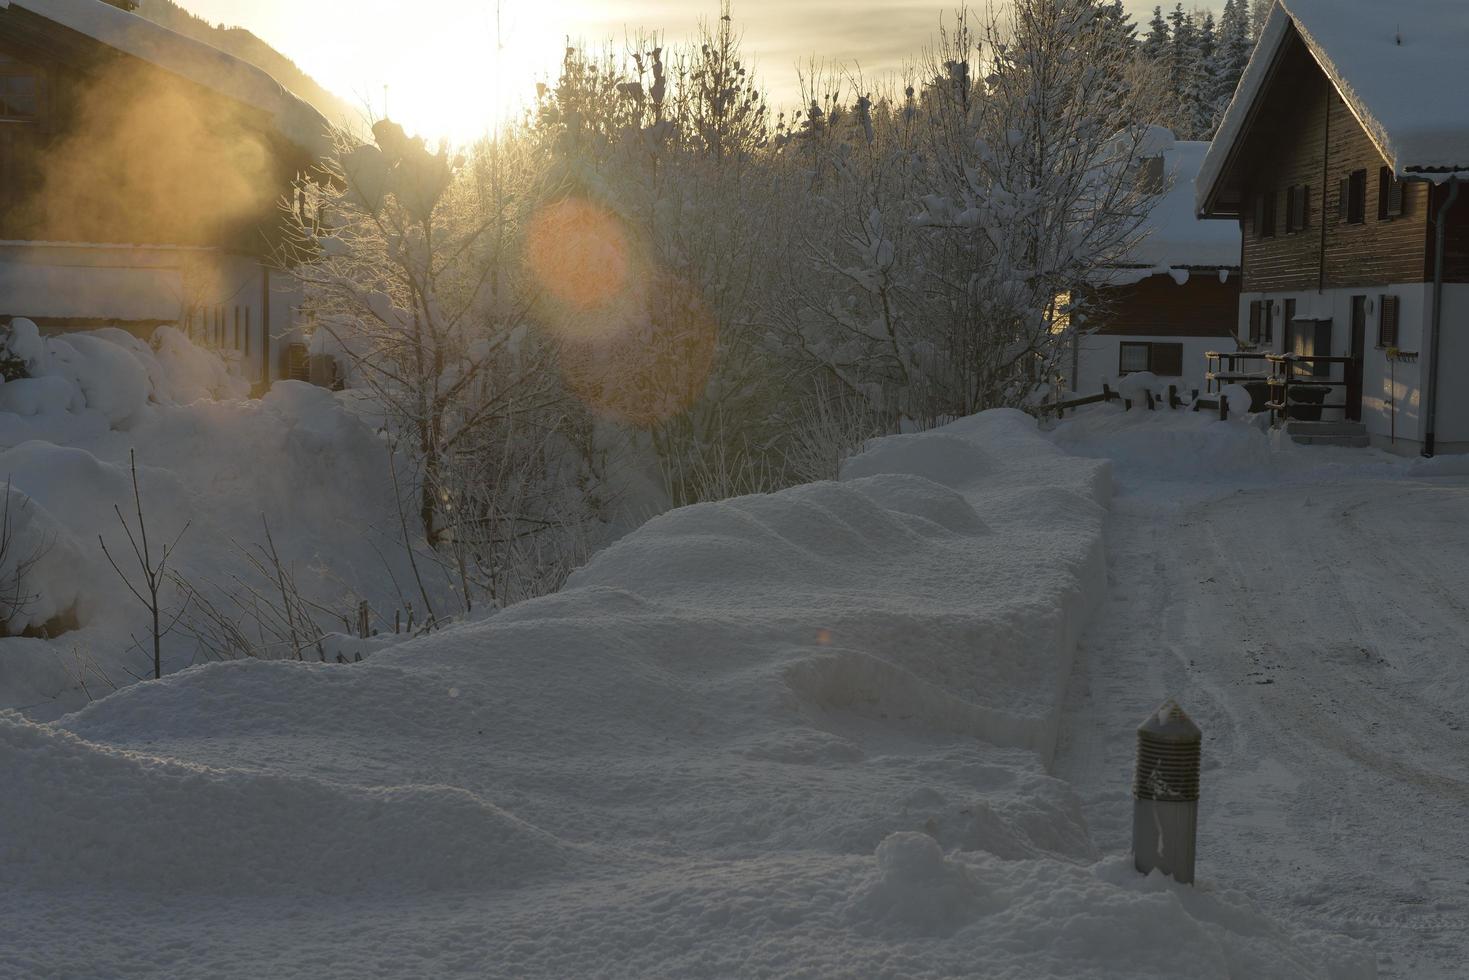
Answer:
(650, 362)
(580, 255)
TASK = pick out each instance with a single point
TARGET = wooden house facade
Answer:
(142, 179)
(1343, 183)
(1177, 296)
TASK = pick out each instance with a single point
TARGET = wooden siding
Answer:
(1305, 135)
(1456, 235)
(1160, 307)
(128, 152)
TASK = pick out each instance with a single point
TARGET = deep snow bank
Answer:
(207, 458)
(797, 733)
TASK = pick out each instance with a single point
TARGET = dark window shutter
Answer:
(1289, 318)
(1343, 199)
(1255, 322)
(1167, 360)
(1387, 321)
(1357, 197)
(1322, 348)
(1303, 207)
(1395, 198)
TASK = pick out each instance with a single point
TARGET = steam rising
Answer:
(151, 158)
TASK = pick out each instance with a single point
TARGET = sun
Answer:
(481, 66)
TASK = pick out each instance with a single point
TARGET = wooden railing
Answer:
(1217, 376)
(1283, 375)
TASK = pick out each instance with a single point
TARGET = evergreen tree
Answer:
(1155, 45)
(1259, 13)
(1183, 67)
(1234, 47)
(1202, 94)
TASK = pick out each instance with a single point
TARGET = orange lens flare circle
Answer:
(580, 255)
(648, 363)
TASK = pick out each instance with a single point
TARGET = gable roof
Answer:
(295, 119)
(1399, 66)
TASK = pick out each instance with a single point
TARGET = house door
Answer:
(1359, 353)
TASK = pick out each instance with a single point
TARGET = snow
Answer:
(803, 733)
(1386, 61)
(1294, 600)
(206, 458)
(1175, 239)
(194, 60)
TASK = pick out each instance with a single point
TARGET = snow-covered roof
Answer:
(296, 119)
(1399, 66)
(1173, 234)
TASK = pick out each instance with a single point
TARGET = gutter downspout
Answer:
(1430, 384)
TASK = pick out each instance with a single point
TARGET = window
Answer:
(1265, 215)
(1164, 360)
(20, 91)
(1256, 315)
(1387, 321)
(1352, 198)
(1134, 357)
(1389, 195)
(1297, 207)
(1150, 175)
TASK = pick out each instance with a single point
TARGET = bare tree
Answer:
(152, 576)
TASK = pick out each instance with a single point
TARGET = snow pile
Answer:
(220, 466)
(801, 733)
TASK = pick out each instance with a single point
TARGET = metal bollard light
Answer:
(1165, 791)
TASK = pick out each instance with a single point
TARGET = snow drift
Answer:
(801, 733)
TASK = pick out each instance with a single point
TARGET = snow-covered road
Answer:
(1311, 611)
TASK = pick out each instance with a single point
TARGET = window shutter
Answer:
(1303, 207)
(1322, 348)
(1387, 321)
(1343, 199)
(1167, 360)
(1255, 322)
(1395, 197)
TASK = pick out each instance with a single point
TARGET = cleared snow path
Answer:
(1309, 608)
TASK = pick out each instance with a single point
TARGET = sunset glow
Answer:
(456, 68)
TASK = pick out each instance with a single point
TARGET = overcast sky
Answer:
(439, 57)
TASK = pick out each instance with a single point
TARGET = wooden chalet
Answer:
(1341, 160)
(1177, 295)
(142, 176)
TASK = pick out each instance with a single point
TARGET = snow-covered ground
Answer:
(1307, 608)
(800, 734)
(215, 469)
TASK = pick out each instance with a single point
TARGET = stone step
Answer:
(1352, 442)
(1320, 429)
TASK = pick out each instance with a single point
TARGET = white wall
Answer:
(1098, 359)
(1391, 391)
(196, 289)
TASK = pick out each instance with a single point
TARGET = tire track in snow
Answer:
(1304, 629)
